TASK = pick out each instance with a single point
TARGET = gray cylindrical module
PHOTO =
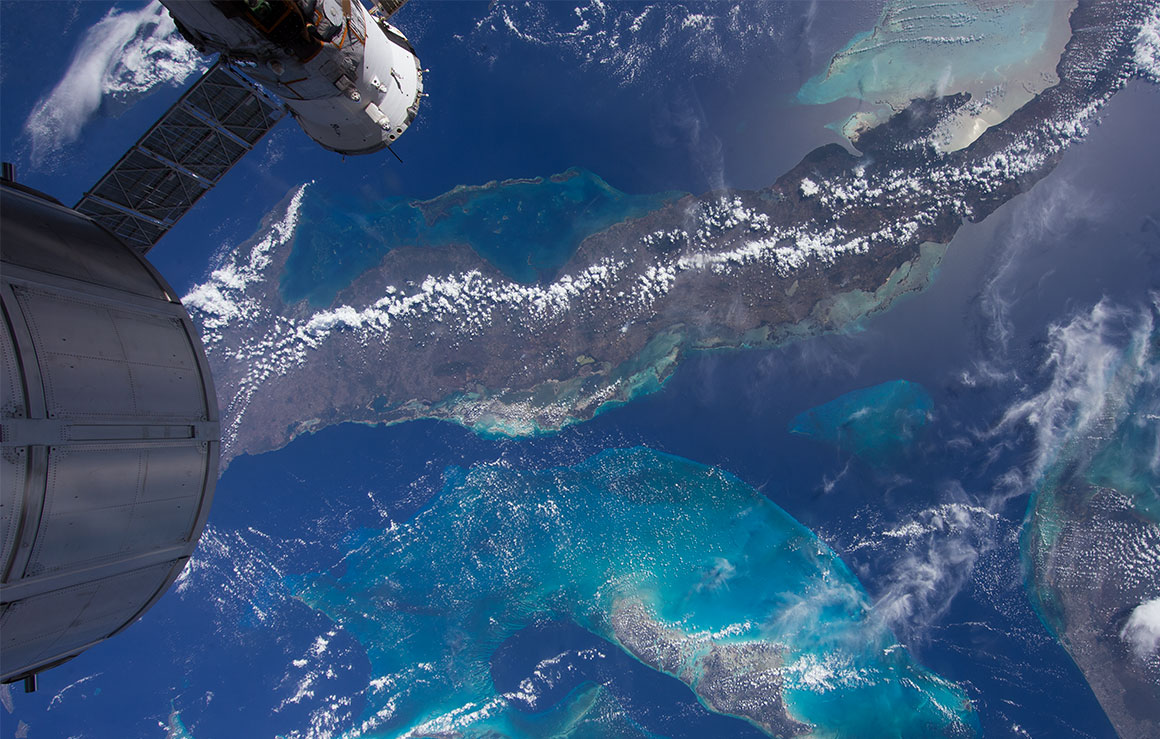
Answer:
(110, 442)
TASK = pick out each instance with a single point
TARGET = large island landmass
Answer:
(441, 333)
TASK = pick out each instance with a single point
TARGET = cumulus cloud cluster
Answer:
(1142, 631)
(124, 56)
(1147, 48)
(243, 571)
(632, 42)
(236, 296)
(812, 221)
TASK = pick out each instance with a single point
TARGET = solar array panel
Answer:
(181, 157)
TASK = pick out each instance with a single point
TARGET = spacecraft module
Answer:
(109, 425)
(109, 434)
(350, 78)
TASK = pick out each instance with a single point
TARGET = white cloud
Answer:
(635, 43)
(923, 583)
(225, 296)
(59, 697)
(245, 324)
(942, 546)
(1094, 371)
(124, 56)
(1142, 631)
(1147, 48)
(239, 577)
(1046, 214)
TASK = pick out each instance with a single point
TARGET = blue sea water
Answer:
(709, 559)
(730, 411)
(1105, 437)
(526, 228)
(561, 656)
(895, 58)
(1129, 461)
(876, 423)
(727, 410)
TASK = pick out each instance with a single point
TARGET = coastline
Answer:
(440, 333)
(914, 36)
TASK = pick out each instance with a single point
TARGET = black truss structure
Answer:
(181, 157)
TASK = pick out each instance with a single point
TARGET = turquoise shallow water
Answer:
(918, 49)
(628, 542)
(1101, 418)
(1130, 460)
(876, 423)
(528, 228)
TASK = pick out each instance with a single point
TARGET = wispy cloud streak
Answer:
(1095, 361)
(126, 55)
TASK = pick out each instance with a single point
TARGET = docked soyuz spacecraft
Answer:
(109, 426)
(348, 76)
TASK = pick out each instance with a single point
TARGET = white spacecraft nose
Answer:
(351, 80)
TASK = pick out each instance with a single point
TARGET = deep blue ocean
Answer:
(283, 518)
(526, 228)
(735, 411)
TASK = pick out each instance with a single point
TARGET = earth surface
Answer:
(703, 370)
